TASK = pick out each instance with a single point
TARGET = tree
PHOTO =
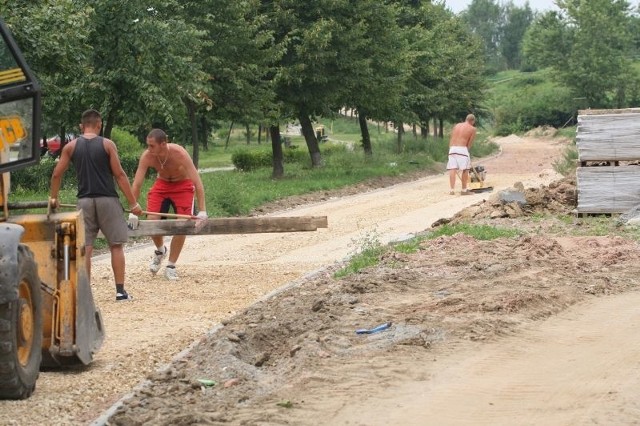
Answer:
(142, 62)
(486, 20)
(54, 42)
(310, 76)
(376, 50)
(517, 21)
(547, 41)
(447, 67)
(589, 50)
(237, 57)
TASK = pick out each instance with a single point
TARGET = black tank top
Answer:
(93, 170)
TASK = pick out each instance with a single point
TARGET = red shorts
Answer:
(164, 195)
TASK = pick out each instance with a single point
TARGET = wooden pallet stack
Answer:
(608, 176)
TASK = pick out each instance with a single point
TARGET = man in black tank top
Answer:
(98, 169)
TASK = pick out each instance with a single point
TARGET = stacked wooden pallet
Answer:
(608, 143)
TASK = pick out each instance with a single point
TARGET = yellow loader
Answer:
(47, 313)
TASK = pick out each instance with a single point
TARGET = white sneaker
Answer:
(158, 256)
(170, 273)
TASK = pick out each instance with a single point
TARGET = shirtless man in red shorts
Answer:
(462, 137)
(177, 182)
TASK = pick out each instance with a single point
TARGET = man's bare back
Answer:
(463, 133)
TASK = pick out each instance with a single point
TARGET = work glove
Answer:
(133, 221)
(202, 215)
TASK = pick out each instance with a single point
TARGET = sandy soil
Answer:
(538, 327)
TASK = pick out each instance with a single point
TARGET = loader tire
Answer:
(21, 332)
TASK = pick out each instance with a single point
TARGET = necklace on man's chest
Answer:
(166, 158)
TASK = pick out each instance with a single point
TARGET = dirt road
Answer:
(577, 368)
(222, 275)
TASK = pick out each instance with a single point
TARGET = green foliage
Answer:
(479, 232)
(517, 21)
(37, 177)
(589, 46)
(567, 132)
(597, 225)
(129, 163)
(60, 58)
(237, 193)
(410, 246)
(365, 252)
(567, 165)
(247, 160)
(232, 196)
(522, 101)
(127, 143)
(485, 18)
(447, 79)
(545, 43)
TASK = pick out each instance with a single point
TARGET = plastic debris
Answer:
(377, 329)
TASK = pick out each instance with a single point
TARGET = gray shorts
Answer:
(104, 214)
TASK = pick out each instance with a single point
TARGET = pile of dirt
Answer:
(557, 198)
(542, 132)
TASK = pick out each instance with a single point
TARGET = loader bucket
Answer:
(72, 326)
(79, 332)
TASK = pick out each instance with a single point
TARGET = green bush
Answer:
(523, 101)
(129, 163)
(247, 160)
(295, 155)
(37, 178)
(569, 162)
(328, 149)
(127, 143)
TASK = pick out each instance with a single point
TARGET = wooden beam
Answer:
(229, 225)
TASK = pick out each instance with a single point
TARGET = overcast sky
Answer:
(458, 6)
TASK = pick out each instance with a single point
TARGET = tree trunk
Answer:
(414, 130)
(191, 113)
(106, 129)
(276, 147)
(424, 129)
(399, 145)
(63, 140)
(441, 129)
(259, 134)
(310, 139)
(364, 131)
(226, 144)
(435, 127)
(247, 129)
(206, 131)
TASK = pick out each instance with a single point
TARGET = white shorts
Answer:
(459, 158)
